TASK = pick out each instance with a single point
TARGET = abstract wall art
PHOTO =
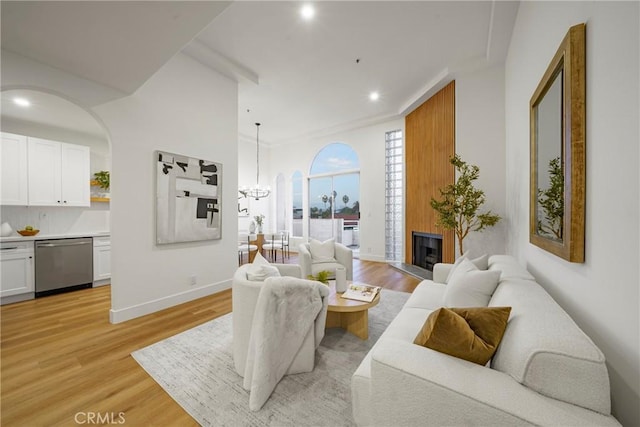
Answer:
(188, 199)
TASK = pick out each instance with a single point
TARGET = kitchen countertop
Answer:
(40, 236)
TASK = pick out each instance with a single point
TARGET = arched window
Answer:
(296, 203)
(281, 210)
(334, 195)
(336, 157)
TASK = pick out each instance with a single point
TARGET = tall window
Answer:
(394, 199)
(334, 195)
(296, 201)
(281, 210)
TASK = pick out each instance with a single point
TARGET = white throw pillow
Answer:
(482, 262)
(261, 269)
(323, 251)
(455, 266)
(470, 287)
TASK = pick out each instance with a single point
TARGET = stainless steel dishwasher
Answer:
(63, 265)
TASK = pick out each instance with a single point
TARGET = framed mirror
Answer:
(557, 170)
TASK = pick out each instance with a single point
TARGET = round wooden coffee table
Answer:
(348, 314)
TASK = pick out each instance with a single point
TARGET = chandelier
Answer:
(256, 192)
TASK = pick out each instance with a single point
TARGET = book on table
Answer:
(361, 292)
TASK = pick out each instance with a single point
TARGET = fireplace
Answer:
(427, 249)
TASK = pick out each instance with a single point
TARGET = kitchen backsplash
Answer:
(58, 220)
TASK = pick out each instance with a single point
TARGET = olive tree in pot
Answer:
(458, 208)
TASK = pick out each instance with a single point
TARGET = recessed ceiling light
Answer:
(23, 102)
(374, 96)
(308, 12)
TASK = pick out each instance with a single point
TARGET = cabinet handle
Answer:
(58, 201)
(56, 245)
(65, 201)
(30, 257)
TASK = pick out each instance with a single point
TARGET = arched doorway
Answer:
(50, 123)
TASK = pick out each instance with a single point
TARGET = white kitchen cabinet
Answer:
(101, 261)
(13, 170)
(16, 271)
(58, 173)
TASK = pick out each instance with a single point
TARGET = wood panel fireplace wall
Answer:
(430, 143)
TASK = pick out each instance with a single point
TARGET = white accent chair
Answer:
(311, 264)
(244, 298)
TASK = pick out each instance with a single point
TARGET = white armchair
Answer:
(244, 298)
(312, 262)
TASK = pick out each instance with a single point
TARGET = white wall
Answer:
(602, 294)
(480, 140)
(185, 108)
(59, 219)
(368, 143)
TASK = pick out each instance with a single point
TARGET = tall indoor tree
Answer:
(459, 204)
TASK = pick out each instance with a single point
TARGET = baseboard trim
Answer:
(369, 257)
(138, 310)
(17, 298)
(103, 282)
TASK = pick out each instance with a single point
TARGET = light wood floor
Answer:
(61, 358)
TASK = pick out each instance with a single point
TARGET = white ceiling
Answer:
(297, 78)
(119, 44)
(309, 81)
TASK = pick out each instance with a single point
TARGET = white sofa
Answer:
(546, 371)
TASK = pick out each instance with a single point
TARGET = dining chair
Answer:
(272, 245)
(245, 247)
(285, 244)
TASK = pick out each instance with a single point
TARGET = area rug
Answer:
(196, 368)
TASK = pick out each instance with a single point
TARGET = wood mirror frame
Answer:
(556, 218)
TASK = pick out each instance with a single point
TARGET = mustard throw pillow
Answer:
(471, 334)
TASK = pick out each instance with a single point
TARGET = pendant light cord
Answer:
(256, 192)
(257, 155)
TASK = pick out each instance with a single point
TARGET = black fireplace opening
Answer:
(427, 249)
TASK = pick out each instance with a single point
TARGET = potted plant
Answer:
(458, 208)
(322, 277)
(103, 179)
(259, 219)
